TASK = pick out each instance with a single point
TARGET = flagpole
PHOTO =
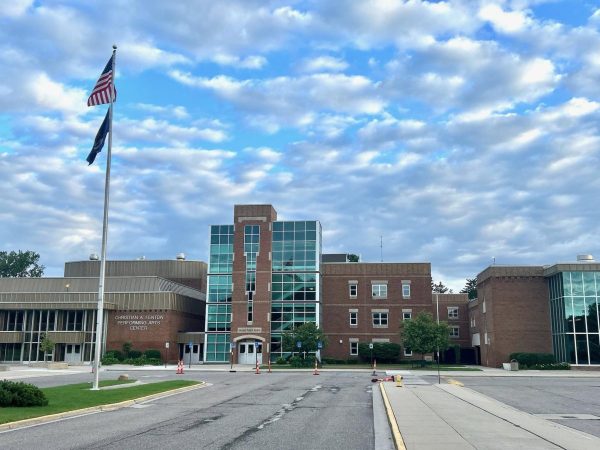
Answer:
(100, 311)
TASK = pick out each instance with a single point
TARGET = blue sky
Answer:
(459, 130)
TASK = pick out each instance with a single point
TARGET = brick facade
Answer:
(511, 313)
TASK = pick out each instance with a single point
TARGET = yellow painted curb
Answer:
(398, 441)
(455, 383)
(91, 409)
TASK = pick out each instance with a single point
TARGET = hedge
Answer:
(527, 360)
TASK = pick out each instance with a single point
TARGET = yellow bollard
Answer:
(399, 381)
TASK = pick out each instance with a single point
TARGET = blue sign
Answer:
(319, 345)
(299, 344)
(233, 345)
(256, 344)
(190, 344)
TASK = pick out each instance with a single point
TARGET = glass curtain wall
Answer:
(574, 298)
(218, 301)
(295, 279)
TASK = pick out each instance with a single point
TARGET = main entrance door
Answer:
(248, 352)
(73, 353)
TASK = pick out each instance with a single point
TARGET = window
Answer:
(353, 290)
(379, 290)
(353, 318)
(405, 289)
(454, 332)
(406, 315)
(452, 312)
(407, 351)
(380, 319)
(353, 348)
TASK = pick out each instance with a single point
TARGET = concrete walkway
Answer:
(454, 417)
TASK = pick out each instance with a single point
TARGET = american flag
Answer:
(101, 93)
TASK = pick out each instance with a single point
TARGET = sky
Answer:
(457, 132)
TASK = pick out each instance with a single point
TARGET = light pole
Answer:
(437, 308)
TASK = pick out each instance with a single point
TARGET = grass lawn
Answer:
(78, 396)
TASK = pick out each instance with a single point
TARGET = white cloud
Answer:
(249, 62)
(14, 8)
(324, 64)
(503, 21)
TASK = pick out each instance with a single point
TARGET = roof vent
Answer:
(585, 258)
(94, 257)
(180, 256)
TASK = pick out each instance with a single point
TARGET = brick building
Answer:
(267, 276)
(147, 303)
(540, 309)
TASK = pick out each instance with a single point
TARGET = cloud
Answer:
(292, 101)
(324, 64)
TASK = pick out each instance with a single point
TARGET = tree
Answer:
(307, 333)
(351, 257)
(47, 346)
(470, 288)
(423, 335)
(440, 288)
(20, 264)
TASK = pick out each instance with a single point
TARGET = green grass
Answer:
(78, 396)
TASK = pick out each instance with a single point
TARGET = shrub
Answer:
(134, 354)
(108, 360)
(298, 361)
(352, 361)
(527, 360)
(152, 354)
(382, 352)
(21, 394)
(154, 361)
(333, 361)
(116, 354)
(280, 361)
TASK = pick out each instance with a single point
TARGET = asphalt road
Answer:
(544, 396)
(238, 411)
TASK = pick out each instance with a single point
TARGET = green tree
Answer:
(470, 288)
(440, 288)
(308, 334)
(47, 346)
(351, 257)
(423, 335)
(20, 264)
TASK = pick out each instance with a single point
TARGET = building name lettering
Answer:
(138, 322)
(249, 330)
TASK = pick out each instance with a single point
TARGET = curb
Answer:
(100, 408)
(398, 441)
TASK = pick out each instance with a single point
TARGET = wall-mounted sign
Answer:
(139, 322)
(249, 330)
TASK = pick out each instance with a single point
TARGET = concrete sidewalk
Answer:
(455, 417)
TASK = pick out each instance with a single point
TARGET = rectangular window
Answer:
(405, 289)
(407, 351)
(406, 315)
(353, 318)
(379, 290)
(452, 312)
(380, 319)
(454, 332)
(353, 290)
(353, 348)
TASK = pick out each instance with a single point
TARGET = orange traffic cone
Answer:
(316, 371)
(257, 369)
(269, 365)
(179, 368)
(374, 367)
